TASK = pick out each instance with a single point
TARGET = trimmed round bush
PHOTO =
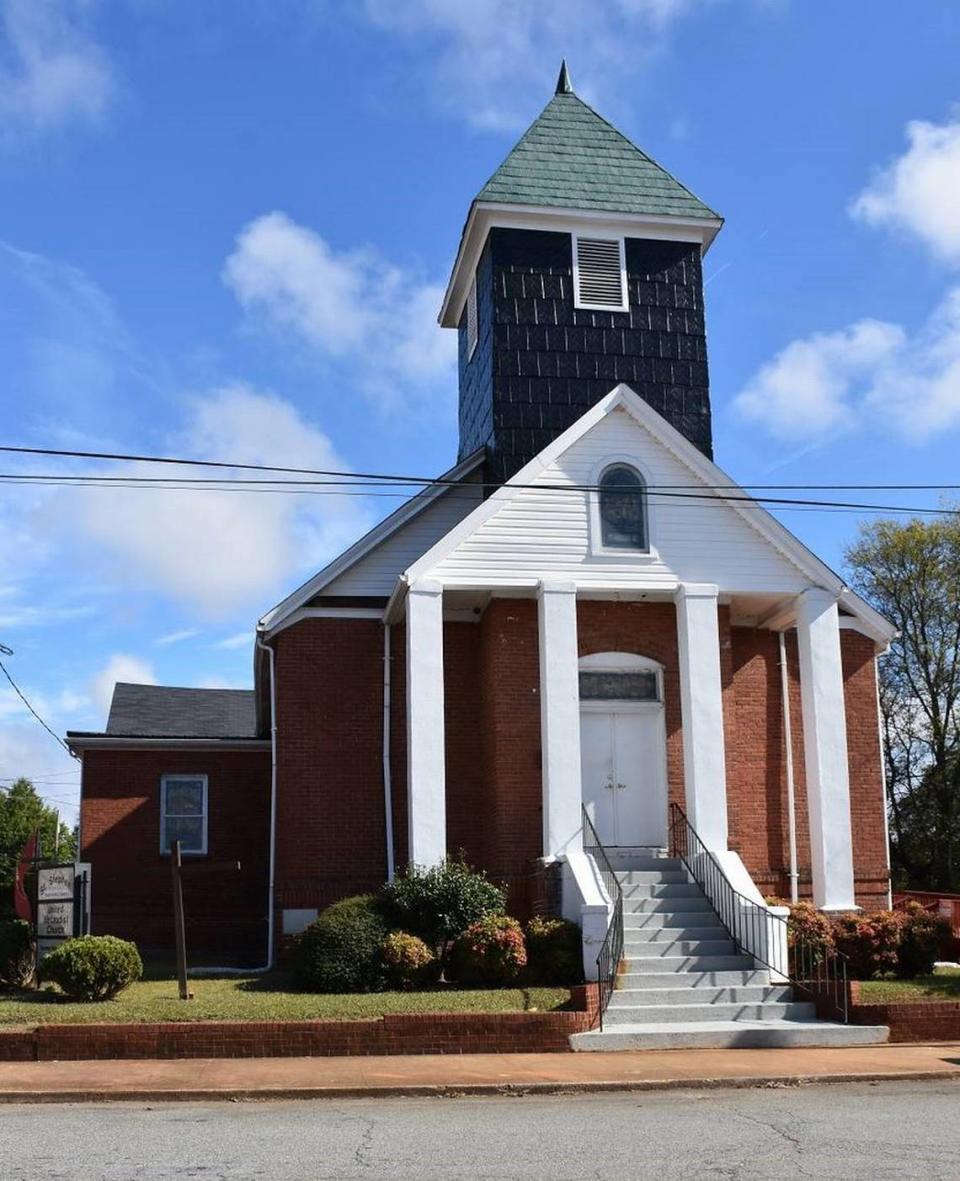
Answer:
(16, 953)
(491, 951)
(407, 961)
(92, 967)
(869, 941)
(340, 950)
(922, 935)
(554, 951)
(440, 903)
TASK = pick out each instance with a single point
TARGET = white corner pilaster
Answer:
(825, 750)
(701, 696)
(426, 788)
(560, 718)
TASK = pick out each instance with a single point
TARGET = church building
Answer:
(585, 613)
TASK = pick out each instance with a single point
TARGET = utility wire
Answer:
(16, 688)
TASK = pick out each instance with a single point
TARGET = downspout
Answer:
(791, 797)
(387, 778)
(266, 967)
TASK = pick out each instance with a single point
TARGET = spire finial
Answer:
(564, 85)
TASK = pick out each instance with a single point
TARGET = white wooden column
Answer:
(560, 718)
(825, 750)
(701, 696)
(426, 799)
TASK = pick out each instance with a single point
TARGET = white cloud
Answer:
(344, 304)
(120, 667)
(221, 551)
(871, 374)
(492, 64)
(51, 72)
(919, 192)
(240, 640)
(176, 637)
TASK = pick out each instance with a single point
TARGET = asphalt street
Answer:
(848, 1131)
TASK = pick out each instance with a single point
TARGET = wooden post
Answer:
(180, 934)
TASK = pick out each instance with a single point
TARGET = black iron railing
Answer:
(611, 953)
(759, 933)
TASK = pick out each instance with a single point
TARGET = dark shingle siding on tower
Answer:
(573, 158)
(551, 361)
(158, 711)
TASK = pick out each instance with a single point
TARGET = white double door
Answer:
(624, 772)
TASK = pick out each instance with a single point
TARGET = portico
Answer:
(698, 609)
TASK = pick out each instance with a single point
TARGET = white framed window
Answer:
(621, 524)
(472, 318)
(183, 813)
(599, 274)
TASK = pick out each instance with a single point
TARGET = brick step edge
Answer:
(394, 1033)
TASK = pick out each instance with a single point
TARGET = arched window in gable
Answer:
(623, 508)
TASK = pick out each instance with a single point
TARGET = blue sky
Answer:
(225, 228)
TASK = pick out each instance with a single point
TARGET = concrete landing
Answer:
(745, 1034)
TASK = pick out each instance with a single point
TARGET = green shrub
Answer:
(340, 950)
(439, 903)
(869, 941)
(491, 951)
(92, 967)
(16, 953)
(811, 931)
(554, 951)
(922, 935)
(407, 961)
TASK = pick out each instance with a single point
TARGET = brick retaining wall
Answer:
(919, 1021)
(398, 1033)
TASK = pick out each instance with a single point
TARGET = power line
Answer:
(709, 494)
(19, 693)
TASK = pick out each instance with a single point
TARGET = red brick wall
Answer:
(464, 739)
(401, 1033)
(130, 890)
(330, 804)
(756, 764)
(512, 793)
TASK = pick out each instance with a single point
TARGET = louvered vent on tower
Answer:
(599, 274)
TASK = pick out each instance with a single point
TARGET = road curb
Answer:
(464, 1090)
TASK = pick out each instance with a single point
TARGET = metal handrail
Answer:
(611, 953)
(820, 973)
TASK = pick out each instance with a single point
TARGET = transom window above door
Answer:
(619, 686)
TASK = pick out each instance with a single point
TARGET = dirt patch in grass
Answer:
(264, 998)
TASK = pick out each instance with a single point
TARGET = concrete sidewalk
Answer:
(479, 1074)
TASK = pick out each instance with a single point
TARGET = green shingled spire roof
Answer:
(572, 158)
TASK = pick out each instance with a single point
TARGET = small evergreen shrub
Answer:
(869, 941)
(340, 950)
(554, 951)
(92, 967)
(811, 931)
(16, 953)
(922, 935)
(407, 961)
(440, 903)
(491, 951)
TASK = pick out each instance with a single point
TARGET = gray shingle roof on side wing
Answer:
(158, 711)
(573, 158)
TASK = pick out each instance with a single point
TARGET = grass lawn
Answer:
(263, 998)
(944, 985)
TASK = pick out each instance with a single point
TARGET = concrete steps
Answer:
(683, 984)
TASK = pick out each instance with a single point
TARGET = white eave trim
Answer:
(121, 742)
(714, 478)
(486, 214)
(270, 622)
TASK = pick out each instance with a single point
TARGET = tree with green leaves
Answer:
(911, 573)
(22, 813)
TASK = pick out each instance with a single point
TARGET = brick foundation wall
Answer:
(130, 889)
(402, 1033)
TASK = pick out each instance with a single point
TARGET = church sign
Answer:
(56, 890)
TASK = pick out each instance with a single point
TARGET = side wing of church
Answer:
(585, 616)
